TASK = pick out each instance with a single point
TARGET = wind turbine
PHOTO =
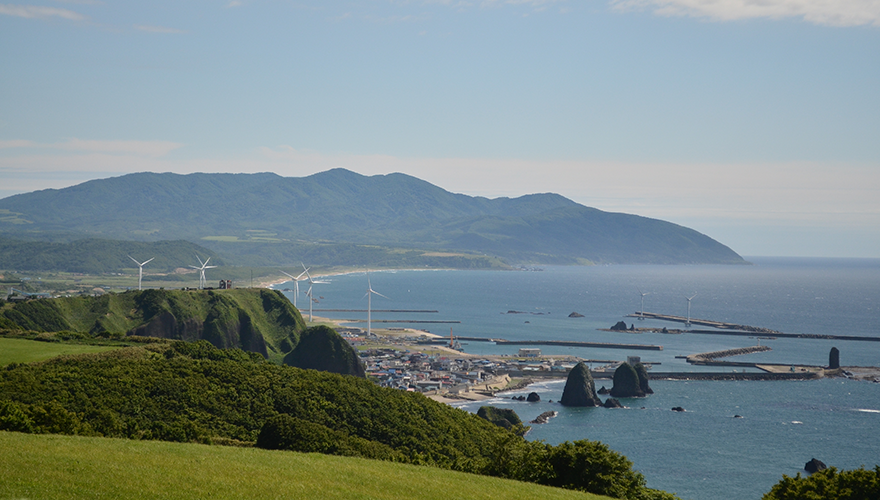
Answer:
(296, 281)
(204, 265)
(689, 299)
(642, 307)
(309, 292)
(140, 269)
(369, 296)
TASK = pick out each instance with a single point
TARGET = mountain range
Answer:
(267, 219)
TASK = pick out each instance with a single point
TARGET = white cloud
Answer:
(157, 29)
(37, 12)
(821, 12)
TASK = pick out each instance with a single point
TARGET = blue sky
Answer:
(757, 123)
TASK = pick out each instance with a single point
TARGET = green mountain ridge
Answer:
(256, 320)
(338, 206)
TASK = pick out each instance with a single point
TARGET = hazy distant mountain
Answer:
(244, 213)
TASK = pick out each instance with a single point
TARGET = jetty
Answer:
(561, 343)
(724, 328)
(712, 356)
(424, 311)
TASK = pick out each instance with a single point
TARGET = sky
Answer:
(756, 122)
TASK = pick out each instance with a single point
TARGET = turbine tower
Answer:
(689, 299)
(140, 269)
(642, 307)
(296, 281)
(204, 265)
(309, 292)
(369, 296)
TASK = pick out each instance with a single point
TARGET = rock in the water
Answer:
(575, 315)
(834, 358)
(579, 388)
(620, 326)
(814, 466)
(518, 398)
(533, 397)
(544, 417)
(626, 383)
(642, 372)
(612, 403)
(737, 416)
(603, 391)
(677, 408)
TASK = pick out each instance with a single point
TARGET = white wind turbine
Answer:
(140, 269)
(296, 281)
(689, 299)
(204, 265)
(642, 307)
(369, 296)
(309, 292)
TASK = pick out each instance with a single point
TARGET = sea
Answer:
(705, 452)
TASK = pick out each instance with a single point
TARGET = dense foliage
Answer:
(193, 392)
(829, 484)
(321, 348)
(340, 206)
(503, 417)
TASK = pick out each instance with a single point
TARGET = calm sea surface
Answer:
(703, 453)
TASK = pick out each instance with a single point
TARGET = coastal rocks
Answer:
(642, 372)
(626, 383)
(579, 388)
(620, 326)
(544, 417)
(814, 466)
(603, 391)
(612, 403)
(677, 408)
(533, 397)
(575, 315)
(834, 359)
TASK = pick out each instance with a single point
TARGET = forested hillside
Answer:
(193, 392)
(257, 215)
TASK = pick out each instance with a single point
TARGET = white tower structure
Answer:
(140, 269)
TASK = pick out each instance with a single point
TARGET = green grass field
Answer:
(27, 351)
(62, 467)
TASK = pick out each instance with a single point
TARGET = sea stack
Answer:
(579, 388)
(626, 383)
(642, 372)
(834, 359)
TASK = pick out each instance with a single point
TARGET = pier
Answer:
(562, 343)
(739, 330)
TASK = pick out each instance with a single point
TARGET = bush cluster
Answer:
(193, 392)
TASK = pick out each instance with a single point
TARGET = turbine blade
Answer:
(379, 294)
(147, 261)
(289, 276)
(136, 262)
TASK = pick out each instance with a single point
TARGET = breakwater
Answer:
(709, 356)
(562, 343)
(745, 376)
(734, 329)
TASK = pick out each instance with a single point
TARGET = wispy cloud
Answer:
(37, 12)
(157, 29)
(821, 12)
(152, 149)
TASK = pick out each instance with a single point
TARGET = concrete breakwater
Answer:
(709, 356)
(563, 343)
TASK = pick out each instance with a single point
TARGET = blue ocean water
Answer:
(703, 453)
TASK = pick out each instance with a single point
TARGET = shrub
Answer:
(829, 484)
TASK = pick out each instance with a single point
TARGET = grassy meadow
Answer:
(67, 467)
(14, 350)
